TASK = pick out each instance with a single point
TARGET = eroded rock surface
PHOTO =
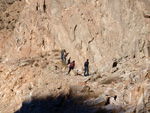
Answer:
(113, 35)
(99, 30)
(29, 83)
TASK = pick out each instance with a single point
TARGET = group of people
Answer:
(72, 64)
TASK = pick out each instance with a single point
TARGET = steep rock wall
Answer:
(101, 30)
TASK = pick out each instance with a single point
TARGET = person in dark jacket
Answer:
(86, 68)
(69, 61)
(71, 66)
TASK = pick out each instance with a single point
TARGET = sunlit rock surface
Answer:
(113, 35)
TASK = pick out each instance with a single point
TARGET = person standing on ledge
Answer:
(62, 54)
(86, 68)
(71, 66)
(69, 61)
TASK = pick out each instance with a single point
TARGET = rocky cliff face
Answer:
(113, 35)
(99, 30)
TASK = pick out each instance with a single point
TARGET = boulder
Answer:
(131, 110)
(111, 108)
(89, 102)
(79, 71)
(100, 102)
(113, 100)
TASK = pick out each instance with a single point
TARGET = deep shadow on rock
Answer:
(62, 104)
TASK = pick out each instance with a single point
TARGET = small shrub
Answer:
(31, 61)
(55, 50)
(56, 54)
(36, 64)
(7, 14)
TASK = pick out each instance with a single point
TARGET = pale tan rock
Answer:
(84, 38)
(79, 71)
(110, 92)
(99, 30)
(131, 110)
(113, 101)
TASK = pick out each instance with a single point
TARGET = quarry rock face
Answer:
(113, 35)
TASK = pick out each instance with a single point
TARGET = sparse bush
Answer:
(55, 50)
(7, 14)
(36, 65)
(56, 54)
(31, 61)
(2, 26)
